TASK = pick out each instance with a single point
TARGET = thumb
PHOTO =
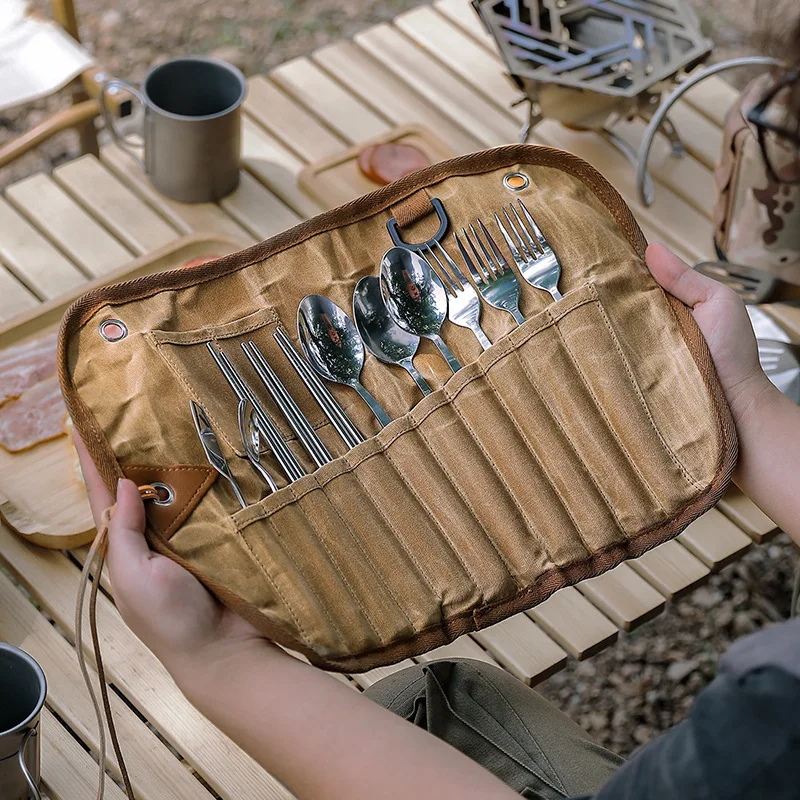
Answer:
(127, 546)
(677, 278)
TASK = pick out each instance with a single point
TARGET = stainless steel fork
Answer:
(534, 257)
(463, 303)
(494, 278)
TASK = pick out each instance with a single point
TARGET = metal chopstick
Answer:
(327, 402)
(285, 457)
(306, 434)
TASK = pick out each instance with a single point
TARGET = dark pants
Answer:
(502, 724)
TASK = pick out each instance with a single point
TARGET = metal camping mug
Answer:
(22, 692)
(192, 126)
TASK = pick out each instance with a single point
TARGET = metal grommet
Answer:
(112, 330)
(516, 181)
(166, 494)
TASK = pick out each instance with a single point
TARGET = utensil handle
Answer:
(32, 787)
(108, 117)
(451, 360)
(482, 337)
(556, 295)
(236, 490)
(262, 471)
(517, 314)
(417, 376)
(373, 404)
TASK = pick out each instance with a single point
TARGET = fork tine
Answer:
(488, 264)
(531, 242)
(486, 270)
(476, 276)
(500, 265)
(442, 272)
(522, 246)
(536, 229)
(460, 277)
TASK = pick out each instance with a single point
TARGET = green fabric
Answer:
(502, 724)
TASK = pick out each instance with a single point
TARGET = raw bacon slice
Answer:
(23, 366)
(35, 416)
(384, 163)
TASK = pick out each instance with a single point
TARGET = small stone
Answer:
(706, 597)
(109, 20)
(597, 721)
(680, 670)
(743, 624)
(642, 734)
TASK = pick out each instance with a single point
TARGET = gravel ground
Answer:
(646, 683)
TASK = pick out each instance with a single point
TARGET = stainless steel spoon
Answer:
(251, 439)
(415, 297)
(331, 343)
(382, 336)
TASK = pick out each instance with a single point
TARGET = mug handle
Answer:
(34, 789)
(109, 119)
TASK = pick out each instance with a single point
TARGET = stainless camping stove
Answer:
(588, 63)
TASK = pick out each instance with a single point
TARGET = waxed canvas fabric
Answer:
(588, 435)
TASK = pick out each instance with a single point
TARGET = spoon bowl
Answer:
(331, 343)
(415, 297)
(381, 335)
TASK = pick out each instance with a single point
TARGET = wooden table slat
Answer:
(134, 670)
(463, 647)
(701, 137)
(113, 203)
(392, 97)
(715, 540)
(788, 316)
(712, 98)
(747, 515)
(624, 596)
(155, 771)
(276, 167)
(15, 297)
(463, 15)
(255, 208)
(71, 228)
(185, 217)
(68, 771)
(352, 119)
(523, 648)
(299, 130)
(574, 623)
(32, 258)
(671, 569)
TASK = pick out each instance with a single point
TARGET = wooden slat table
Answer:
(434, 66)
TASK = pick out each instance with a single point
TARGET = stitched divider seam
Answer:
(603, 414)
(448, 395)
(336, 566)
(635, 386)
(210, 333)
(433, 519)
(465, 499)
(396, 535)
(542, 469)
(367, 558)
(280, 594)
(562, 428)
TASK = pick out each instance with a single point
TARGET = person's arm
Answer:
(320, 738)
(767, 423)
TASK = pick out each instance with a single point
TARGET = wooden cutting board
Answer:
(42, 495)
(338, 179)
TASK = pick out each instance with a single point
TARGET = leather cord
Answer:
(97, 555)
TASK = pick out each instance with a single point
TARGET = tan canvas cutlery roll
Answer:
(591, 433)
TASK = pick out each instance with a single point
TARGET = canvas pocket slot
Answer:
(186, 354)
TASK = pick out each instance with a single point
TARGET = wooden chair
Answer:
(84, 106)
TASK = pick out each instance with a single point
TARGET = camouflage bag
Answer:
(757, 214)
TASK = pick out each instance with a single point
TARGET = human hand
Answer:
(723, 320)
(164, 605)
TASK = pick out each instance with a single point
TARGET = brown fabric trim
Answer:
(412, 209)
(349, 213)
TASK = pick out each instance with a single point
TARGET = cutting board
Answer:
(338, 179)
(42, 495)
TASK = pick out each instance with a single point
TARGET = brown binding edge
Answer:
(351, 212)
